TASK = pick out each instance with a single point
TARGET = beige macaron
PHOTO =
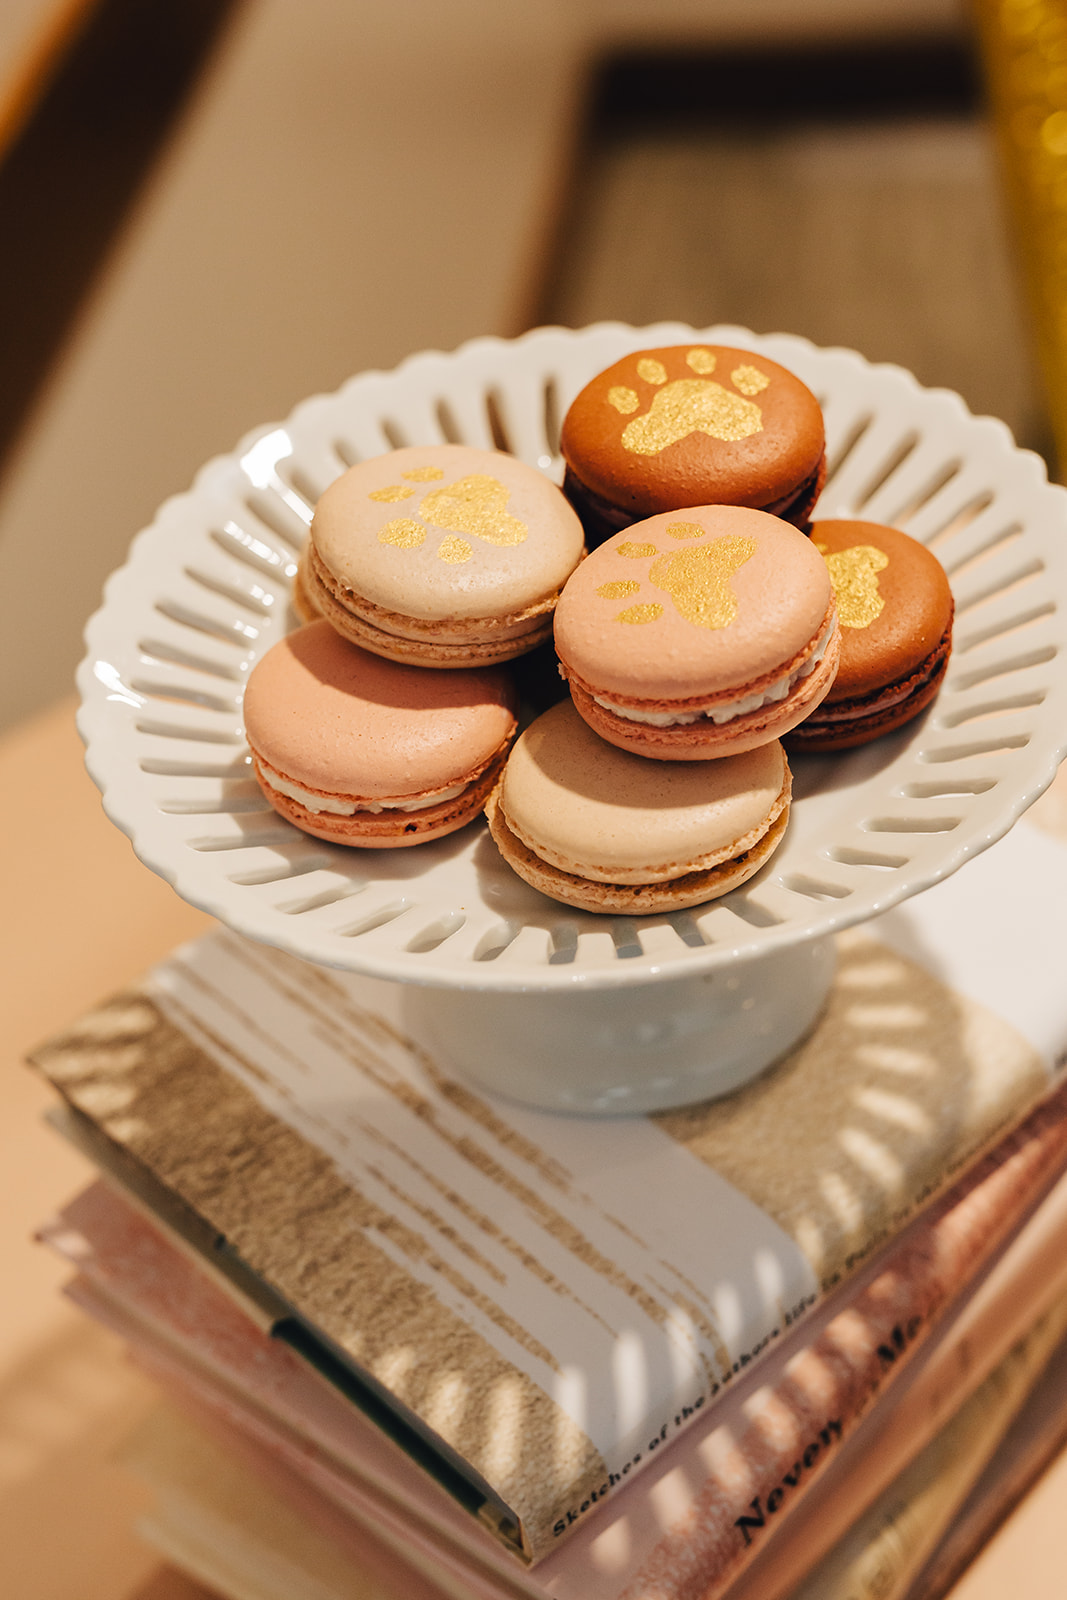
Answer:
(604, 830)
(440, 555)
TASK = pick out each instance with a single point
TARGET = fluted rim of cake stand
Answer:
(204, 593)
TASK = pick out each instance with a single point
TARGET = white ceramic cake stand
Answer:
(564, 1009)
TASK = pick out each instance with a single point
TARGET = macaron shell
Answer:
(336, 719)
(695, 603)
(706, 740)
(594, 810)
(476, 644)
(690, 425)
(446, 531)
(894, 603)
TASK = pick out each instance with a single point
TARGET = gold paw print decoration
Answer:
(689, 405)
(476, 505)
(697, 579)
(854, 575)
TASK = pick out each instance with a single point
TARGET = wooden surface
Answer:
(896, 246)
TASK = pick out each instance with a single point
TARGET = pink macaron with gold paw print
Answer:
(440, 555)
(699, 633)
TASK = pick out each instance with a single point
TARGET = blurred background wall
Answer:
(215, 207)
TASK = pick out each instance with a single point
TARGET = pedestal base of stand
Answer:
(617, 1051)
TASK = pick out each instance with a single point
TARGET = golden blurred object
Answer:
(1024, 46)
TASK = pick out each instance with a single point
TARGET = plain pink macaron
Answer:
(364, 751)
(699, 633)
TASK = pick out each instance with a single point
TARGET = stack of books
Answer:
(418, 1341)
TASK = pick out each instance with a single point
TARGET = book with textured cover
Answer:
(709, 1502)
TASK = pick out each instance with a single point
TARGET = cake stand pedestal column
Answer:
(614, 1051)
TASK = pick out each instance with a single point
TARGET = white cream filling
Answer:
(726, 711)
(347, 808)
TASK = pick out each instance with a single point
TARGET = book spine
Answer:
(760, 1470)
(1035, 1438)
(205, 1392)
(885, 1548)
(1020, 1288)
(207, 1404)
(267, 1532)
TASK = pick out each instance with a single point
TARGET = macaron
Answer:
(895, 609)
(363, 751)
(692, 425)
(606, 831)
(699, 633)
(440, 555)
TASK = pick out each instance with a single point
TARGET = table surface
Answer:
(83, 917)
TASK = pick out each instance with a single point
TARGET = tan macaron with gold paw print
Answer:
(699, 634)
(690, 425)
(440, 555)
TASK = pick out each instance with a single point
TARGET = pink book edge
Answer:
(1020, 1287)
(1029, 1447)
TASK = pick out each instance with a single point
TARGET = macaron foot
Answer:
(390, 829)
(632, 900)
(825, 732)
(358, 628)
(303, 600)
(707, 740)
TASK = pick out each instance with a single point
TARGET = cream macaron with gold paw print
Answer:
(602, 830)
(689, 425)
(440, 555)
(699, 633)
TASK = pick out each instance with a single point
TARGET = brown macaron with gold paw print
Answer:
(690, 425)
(895, 609)
(440, 556)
